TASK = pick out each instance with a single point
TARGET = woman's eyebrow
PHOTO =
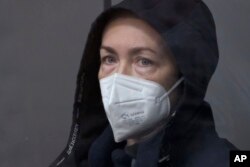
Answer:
(137, 50)
(109, 49)
(132, 51)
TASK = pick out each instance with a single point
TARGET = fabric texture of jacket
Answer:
(190, 139)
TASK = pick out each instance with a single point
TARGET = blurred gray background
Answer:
(41, 44)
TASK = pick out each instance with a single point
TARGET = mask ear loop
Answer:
(171, 116)
(172, 88)
(177, 84)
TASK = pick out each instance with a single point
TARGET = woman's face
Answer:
(132, 47)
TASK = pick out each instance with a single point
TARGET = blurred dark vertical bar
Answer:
(107, 4)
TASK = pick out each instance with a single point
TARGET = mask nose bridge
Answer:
(122, 82)
(114, 77)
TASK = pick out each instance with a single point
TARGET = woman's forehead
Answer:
(133, 31)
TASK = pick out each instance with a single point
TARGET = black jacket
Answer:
(190, 139)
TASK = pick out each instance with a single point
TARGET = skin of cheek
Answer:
(102, 73)
(105, 71)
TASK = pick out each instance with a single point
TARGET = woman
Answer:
(141, 87)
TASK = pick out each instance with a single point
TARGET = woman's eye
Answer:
(109, 60)
(145, 62)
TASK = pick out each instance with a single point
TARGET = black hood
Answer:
(189, 30)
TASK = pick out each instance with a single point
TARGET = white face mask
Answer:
(133, 105)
